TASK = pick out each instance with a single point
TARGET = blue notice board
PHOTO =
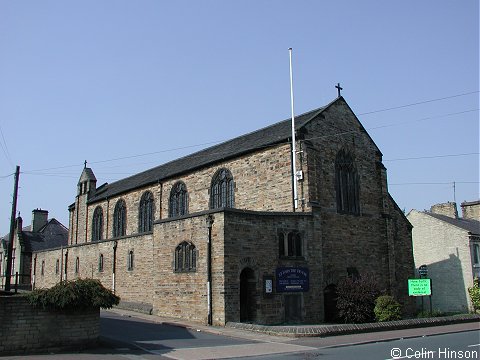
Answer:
(292, 279)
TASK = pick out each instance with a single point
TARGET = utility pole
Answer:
(12, 230)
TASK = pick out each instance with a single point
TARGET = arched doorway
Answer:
(247, 295)
(330, 303)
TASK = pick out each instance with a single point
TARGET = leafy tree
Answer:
(474, 292)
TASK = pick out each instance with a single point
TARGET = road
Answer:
(141, 337)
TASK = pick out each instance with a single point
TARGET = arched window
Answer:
(97, 224)
(185, 257)
(119, 219)
(57, 267)
(178, 204)
(290, 244)
(42, 272)
(77, 265)
(346, 184)
(222, 190)
(145, 213)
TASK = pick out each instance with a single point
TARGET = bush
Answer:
(74, 295)
(387, 309)
(474, 292)
(356, 299)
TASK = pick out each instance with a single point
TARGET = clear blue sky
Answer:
(102, 80)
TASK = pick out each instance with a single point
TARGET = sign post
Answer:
(421, 287)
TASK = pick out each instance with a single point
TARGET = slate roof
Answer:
(271, 135)
(52, 235)
(470, 225)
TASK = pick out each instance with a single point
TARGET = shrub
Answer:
(387, 309)
(356, 299)
(74, 295)
(474, 292)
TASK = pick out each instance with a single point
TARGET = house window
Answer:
(476, 254)
(290, 244)
(178, 205)
(77, 265)
(222, 190)
(42, 271)
(57, 267)
(185, 257)
(97, 224)
(346, 184)
(119, 219)
(130, 261)
(145, 213)
(100, 263)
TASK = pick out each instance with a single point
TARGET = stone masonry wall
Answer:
(251, 241)
(133, 286)
(26, 329)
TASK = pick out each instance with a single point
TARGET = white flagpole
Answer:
(294, 152)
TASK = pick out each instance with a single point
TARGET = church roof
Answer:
(470, 225)
(268, 136)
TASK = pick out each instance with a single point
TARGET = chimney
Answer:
(471, 210)
(39, 219)
(19, 224)
(448, 209)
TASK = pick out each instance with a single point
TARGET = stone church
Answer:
(215, 236)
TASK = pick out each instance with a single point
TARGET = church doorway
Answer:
(247, 295)
(330, 303)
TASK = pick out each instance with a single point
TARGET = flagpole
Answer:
(294, 152)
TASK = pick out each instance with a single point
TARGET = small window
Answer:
(100, 263)
(130, 261)
(476, 254)
(77, 265)
(185, 257)
(290, 244)
(57, 267)
(42, 271)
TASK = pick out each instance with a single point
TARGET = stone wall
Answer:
(26, 329)
(471, 210)
(445, 249)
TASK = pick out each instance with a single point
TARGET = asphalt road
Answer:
(128, 336)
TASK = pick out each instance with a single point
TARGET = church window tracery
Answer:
(119, 219)
(178, 205)
(185, 257)
(290, 244)
(346, 184)
(97, 224)
(222, 190)
(145, 213)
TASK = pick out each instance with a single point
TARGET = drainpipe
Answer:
(114, 264)
(209, 221)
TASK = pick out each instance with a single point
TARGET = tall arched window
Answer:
(119, 219)
(290, 244)
(222, 190)
(145, 213)
(185, 257)
(97, 224)
(346, 184)
(178, 205)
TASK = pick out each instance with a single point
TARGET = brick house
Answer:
(42, 234)
(450, 247)
(215, 236)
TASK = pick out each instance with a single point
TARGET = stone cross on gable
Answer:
(339, 88)
(85, 166)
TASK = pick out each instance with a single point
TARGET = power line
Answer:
(432, 157)
(435, 183)
(419, 103)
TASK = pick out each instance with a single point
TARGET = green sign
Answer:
(419, 287)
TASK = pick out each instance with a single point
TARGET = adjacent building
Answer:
(450, 247)
(216, 236)
(43, 233)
